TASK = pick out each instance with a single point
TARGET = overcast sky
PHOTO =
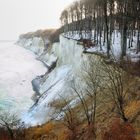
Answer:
(21, 16)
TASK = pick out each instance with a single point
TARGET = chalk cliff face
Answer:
(63, 61)
(34, 44)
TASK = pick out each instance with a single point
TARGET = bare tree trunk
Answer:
(107, 29)
(124, 39)
(124, 30)
(138, 40)
(10, 133)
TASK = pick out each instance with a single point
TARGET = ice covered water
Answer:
(18, 67)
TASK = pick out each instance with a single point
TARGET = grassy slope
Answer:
(107, 118)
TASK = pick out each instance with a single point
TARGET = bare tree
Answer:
(63, 109)
(117, 86)
(89, 91)
(10, 122)
(107, 16)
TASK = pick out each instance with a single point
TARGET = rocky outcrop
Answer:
(34, 44)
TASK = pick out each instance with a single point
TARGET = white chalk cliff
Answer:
(63, 61)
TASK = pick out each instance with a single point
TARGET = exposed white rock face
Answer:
(68, 56)
(34, 44)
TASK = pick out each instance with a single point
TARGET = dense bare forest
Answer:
(104, 17)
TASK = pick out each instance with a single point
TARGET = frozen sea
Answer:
(18, 67)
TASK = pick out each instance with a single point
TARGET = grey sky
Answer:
(20, 16)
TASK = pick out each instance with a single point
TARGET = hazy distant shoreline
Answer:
(1, 41)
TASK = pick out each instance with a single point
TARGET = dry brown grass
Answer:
(39, 131)
(132, 109)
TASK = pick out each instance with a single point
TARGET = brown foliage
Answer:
(71, 135)
(40, 131)
(89, 133)
(3, 134)
(132, 109)
(62, 135)
(120, 131)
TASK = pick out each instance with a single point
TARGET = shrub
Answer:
(119, 131)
